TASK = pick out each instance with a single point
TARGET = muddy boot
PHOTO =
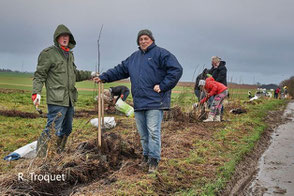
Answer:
(217, 118)
(209, 119)
(58, 144)
(42, 145)
(153, 165)
(144, 162)
(61, 141)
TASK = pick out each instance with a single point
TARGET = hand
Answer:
(97, 79)
(121, 96)
(36, 98)
(202, 101)
(157, 88)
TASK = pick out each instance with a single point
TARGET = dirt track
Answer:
(268, 170)
(276, 174)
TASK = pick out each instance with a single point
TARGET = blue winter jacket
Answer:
(146, 69)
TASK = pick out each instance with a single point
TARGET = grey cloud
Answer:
(254, 37)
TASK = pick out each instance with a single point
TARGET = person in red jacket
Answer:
(219, 91)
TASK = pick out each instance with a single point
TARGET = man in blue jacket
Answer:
(154, 72)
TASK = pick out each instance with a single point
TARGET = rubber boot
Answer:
(217, 118)
(58, 144)
(209, 119)
(61, 141)
(42, 145)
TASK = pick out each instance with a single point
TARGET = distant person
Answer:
(57, 70)
(277, 92)
(197, 89)
(250, 94)
(218, 72)
(119, 91)
(154, 72)
(285, 91)
(219, 92)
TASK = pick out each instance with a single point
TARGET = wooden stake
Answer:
(99, 114)
(102, 104)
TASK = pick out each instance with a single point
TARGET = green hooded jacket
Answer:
(58, 72)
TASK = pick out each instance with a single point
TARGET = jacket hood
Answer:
(61, 29)
(209, 79)
(222, 63)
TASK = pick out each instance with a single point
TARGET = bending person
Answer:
(119, 91)
(219, 92)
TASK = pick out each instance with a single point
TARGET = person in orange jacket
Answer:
(219, 91)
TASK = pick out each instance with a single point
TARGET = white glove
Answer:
(94, 74)
(36, 99)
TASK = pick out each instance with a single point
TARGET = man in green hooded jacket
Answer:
(57, 70)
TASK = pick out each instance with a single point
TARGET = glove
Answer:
(36, 98)
(94, 74)
(204, 100)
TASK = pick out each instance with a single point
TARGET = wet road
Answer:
(276, 166)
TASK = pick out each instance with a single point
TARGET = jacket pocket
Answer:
(75, 94)
(56, 93)
(59, 67)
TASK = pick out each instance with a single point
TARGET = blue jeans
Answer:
(61, 118)
(149, 128)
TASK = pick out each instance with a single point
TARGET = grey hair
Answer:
(218, 59)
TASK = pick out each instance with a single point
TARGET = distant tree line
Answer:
(6, 70)
(15, 71)
(290, 84)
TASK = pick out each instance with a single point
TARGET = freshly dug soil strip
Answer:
(16, 113)
(8, 91)
(85, 113)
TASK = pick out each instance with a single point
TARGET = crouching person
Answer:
(56, 69)
(119, 92)
(153, 71)
(219, 91)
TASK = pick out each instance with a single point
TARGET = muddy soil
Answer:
(17, 113)
(8, 91)
(176, 143)
(21, 114)
(80, 164)
(247, 168)
(176, 114)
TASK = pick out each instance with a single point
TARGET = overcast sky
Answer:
(254, 37)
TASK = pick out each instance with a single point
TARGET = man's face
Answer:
(63, 40)
(144, 42)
